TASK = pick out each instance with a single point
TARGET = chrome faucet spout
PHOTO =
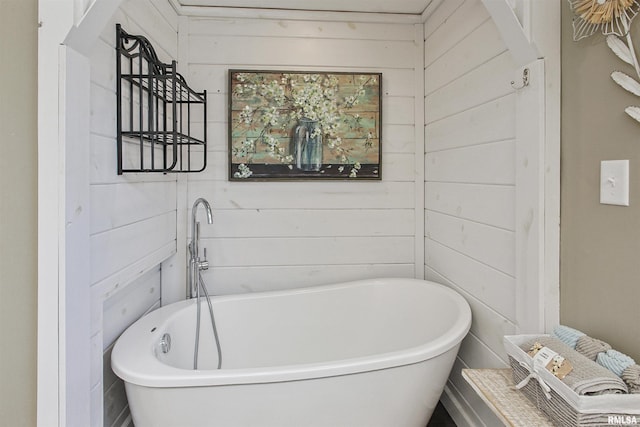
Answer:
(194, 211)
(207, 208)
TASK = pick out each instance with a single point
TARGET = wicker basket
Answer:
(565, 407)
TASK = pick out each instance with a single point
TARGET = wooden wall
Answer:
(276, 235)
(470, 183)
(133, 216)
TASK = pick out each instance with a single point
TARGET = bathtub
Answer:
(358, 354)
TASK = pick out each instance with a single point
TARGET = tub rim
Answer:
(143, 368)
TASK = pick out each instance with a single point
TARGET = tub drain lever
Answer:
(165, 343)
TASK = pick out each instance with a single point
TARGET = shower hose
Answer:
(202, 286)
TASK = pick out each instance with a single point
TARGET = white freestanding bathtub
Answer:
(359, 354)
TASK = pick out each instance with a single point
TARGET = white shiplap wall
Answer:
(470, 183)
(133, 216)
(282, 235)
(292, 234)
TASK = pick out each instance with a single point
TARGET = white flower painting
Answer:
(304, 125)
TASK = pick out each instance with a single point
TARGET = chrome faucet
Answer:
(195, 263)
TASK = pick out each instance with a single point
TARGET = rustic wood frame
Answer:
(260, 149)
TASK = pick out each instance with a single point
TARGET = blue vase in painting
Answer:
(307, 145)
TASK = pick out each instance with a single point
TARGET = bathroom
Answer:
(444, 209)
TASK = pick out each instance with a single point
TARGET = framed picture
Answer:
(304, 125)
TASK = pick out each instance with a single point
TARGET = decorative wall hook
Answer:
(525, 80)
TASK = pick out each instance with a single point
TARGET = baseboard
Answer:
(128, 422)
(458, 408)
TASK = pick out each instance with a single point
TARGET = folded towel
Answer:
(631, 377)
(590, 347)
(587, 377)
(615, 361)
(567, 335)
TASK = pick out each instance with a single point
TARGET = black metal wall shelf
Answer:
(161, 121)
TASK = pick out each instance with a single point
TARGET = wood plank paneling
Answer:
(129, 305)
(276, 235)
(470, 15)
(464, 56)
(236, 223)
(300, 29)
(168, 13)
(492, 163)
(470, 193)
(488, 325)
(492, 287)
(214, 78)
(487, 82)
(103, 165)
(147, 21)
(103, 111)
(114, 283)
(151, 21)
(133, 216)
(476, 202)
(117, 205)
(103, 58)
(440, 16)
(305, 195)
(492, 246)
(490, 122)
(113, 250)
(398, 110)
(293, 234)
(115, 402)
(230, 280)
(121, 205)
(283, 251)
(473, 350)
(298, 52)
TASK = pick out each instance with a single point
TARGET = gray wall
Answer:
(600, 244)
(18, 215)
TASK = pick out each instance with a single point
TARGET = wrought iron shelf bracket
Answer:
(161, 121)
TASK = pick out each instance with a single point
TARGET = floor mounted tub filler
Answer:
(358, 354)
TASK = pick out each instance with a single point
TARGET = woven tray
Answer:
(565, 407)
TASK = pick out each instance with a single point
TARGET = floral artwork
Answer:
(299, 125)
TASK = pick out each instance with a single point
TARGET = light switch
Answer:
(614, 182)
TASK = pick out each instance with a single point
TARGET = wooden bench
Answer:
(496, 388)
